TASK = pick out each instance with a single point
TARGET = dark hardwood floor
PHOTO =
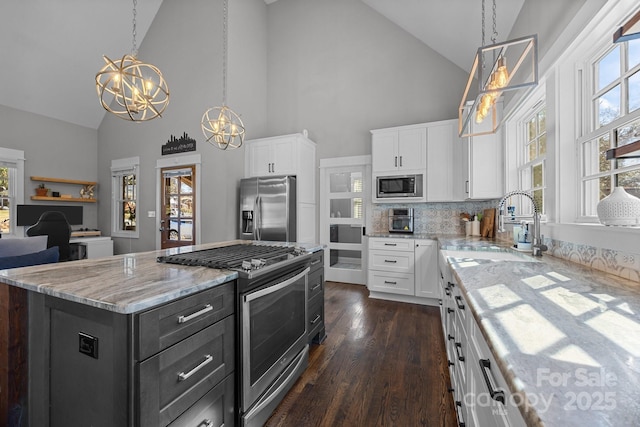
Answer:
(383, 364)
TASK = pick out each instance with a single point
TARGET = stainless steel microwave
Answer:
(399, 186)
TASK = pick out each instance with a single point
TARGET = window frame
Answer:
(14, 159)
(592, 131)
(119, 169)
(525, 165)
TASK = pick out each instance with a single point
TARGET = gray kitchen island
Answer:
(117, 341)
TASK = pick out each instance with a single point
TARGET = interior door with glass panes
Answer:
(342, 221)
(177, 220)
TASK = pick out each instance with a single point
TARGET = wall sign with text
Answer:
(179, 145)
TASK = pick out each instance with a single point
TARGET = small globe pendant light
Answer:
(221, 126)
(131, 89)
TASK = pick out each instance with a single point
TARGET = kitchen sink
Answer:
(489, 254)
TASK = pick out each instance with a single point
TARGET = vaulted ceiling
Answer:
(52, 49)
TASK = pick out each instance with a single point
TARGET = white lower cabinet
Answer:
(479, 391)
(403, 269)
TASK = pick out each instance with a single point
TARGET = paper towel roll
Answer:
(475, 228)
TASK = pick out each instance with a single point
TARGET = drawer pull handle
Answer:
(207, 359)
(315, 287)
(207, 423)
(183, 319)
(497, 395)
(314, 321)
(459, 414)
(459, 302)
(459, 352)
(450, 310)
(391, 244)
(447, 291)
(451, 284)
(388, 282)
(315, 261)
(391, 261)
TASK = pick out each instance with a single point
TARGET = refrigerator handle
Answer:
(257, 218)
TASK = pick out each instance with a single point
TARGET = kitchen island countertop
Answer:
(566, 337)
(125, 283)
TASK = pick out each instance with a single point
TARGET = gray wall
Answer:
(55, 149)
(185, 42)
(339, 69)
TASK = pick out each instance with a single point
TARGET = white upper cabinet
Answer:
(272, 156)
(453, 168)
(399, 150)
(284, 155)
(483, 164)
(444, 149)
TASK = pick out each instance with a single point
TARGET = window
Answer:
(124, 197)
(531, 171)
(614, 106)
(11, 188)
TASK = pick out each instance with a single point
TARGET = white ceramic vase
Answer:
(619, 208)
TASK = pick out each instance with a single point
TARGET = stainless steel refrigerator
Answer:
(268, 208)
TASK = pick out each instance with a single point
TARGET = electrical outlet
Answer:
(88, 345)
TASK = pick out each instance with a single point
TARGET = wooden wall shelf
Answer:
(63, 181)
(63, 199)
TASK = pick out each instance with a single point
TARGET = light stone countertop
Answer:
(126, 283)
(565, 336)
(123, 283)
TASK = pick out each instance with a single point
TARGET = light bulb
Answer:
(116, 82)
(502, 74)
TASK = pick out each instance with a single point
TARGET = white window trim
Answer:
(118, 166)
(566, 79)
(15, 158)
(515, 131)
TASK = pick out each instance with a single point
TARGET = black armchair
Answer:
(54, 225)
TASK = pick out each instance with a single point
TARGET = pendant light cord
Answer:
(224, 52)
(482, 23)
(494, 36)
(134, 47)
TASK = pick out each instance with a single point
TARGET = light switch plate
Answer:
(151, 214)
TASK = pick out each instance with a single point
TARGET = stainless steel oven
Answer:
(272, 348)
(274, 343)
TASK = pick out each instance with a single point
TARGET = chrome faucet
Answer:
(537, 246)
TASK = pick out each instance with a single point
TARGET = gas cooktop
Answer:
(243, 258)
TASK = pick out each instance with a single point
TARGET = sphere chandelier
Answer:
(221, 126)
(131, 89)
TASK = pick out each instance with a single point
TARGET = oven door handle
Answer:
(275, 288)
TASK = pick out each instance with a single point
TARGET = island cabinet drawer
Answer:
(317, 261)
(176, 378)
(315, 284)
(390, 244)
(164, 326)
(401, 262)
(315, 315)
(214, 409)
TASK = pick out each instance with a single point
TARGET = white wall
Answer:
(52, 148)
